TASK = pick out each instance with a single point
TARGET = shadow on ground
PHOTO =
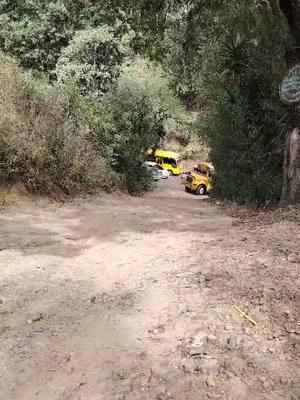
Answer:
(69, 229)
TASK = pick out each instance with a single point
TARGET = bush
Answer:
(246, 127)
(91, 61)
(248, 161)
(137, 179)
(131, 118)
(35, 31)
(41, 145)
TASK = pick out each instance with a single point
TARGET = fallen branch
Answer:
(245, 315)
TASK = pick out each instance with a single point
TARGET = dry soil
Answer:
(122, 298)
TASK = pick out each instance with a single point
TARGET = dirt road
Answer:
(121, 298)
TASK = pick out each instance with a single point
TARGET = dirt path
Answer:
(132, 299)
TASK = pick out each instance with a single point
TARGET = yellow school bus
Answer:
(199, 181)
(167, 159)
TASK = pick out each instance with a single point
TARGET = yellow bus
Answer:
(167, 159)
(199, 181)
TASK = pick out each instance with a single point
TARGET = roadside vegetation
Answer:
(87, 87)
(43, 144)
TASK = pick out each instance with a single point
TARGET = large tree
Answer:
(291, 184)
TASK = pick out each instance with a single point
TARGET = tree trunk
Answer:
(291, 10)
(291, 172)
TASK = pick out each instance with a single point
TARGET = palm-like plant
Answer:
(235, 58)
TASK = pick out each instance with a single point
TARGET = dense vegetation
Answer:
(99, 81)
(247, 122)
(41, 143)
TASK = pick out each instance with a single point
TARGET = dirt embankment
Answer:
(132, 298)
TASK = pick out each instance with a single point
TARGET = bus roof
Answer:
(164, 154)
(206, 165)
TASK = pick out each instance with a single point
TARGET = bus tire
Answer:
(201, 190)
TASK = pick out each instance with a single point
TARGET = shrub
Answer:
(131, 118)
(41, 145)
(35, 31)
(91, 61)
(247, 123)
(247, 159)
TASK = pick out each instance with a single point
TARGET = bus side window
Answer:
(170, 161)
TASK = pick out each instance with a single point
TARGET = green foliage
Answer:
(234, 57)
(131, 118)
(193, 27)
(42, 146)
(246, 142)
(35, 31)
(91, 61)
(247, 124)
